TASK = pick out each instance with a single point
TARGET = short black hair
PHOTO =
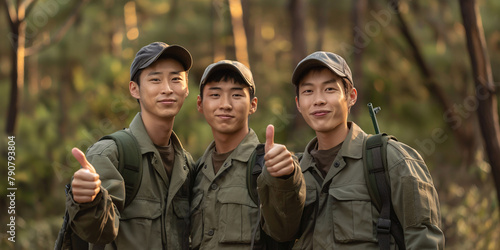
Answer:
(137, 77)
(226, 75)
(347, 84)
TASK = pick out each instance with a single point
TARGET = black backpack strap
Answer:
(375, 162)
(129, 162)
(254, 168)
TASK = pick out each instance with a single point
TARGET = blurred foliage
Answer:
(76, 91)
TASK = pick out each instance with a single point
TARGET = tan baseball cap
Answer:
(235, 66)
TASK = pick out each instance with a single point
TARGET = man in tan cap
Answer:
(224, 216)
(339, 212)
(99, 204)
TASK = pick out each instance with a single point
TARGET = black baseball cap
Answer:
(332, 61)
(235, 66)
(148, 54)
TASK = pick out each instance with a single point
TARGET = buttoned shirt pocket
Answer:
(181, 207)
(181, 227)
(352, 214)
(140, 220)
(196, 220)
(238, 215)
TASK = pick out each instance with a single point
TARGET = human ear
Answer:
(253, 105)
(353, 97)
(134, 90)
(297, 104)
(199, 104)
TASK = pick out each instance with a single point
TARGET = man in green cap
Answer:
(158, 216)
(339, 213)
(224, 216)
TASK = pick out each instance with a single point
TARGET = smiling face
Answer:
(226, 105)
(323, 102)
(163, 89)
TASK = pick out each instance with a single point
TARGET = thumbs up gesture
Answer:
(86, 184)
(278, 159)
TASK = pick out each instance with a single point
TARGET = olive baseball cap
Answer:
(235, 66)
(148, 54)
(332, 61)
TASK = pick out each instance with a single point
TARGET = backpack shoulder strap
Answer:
(129, 162)
(377, 181)
(254, 168)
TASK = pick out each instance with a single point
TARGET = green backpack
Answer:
(129, 166)
(377, 181)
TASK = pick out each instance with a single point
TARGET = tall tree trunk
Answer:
(464, 136)
(299, 43)
(485, 89)
(218, 44)
(299, 51)
(18, 30)
(16, 16)
(249, 29)
(358, 13)
(240, 38)
(322, 9)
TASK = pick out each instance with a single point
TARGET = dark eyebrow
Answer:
(159, 73)
(154, 73)
(305, 84)
(333, 80)
(214, 88)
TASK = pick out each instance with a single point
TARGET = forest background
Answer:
(64, 84)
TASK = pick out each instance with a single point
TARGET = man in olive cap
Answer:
(158, 216)
(339, 213)
(224, 216)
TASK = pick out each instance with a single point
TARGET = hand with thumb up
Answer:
(278, 159)
(86, 184)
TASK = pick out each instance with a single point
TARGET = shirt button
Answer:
(213, 186)
(336, 164)
(211, 232)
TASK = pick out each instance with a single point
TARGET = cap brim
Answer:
(312, 63)
(224, 66)
(175, 51)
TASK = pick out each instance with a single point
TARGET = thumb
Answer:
(269, 137)
(80, 157)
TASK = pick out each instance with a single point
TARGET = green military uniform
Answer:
(158, 217)
(339, 213)
(223, 214)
